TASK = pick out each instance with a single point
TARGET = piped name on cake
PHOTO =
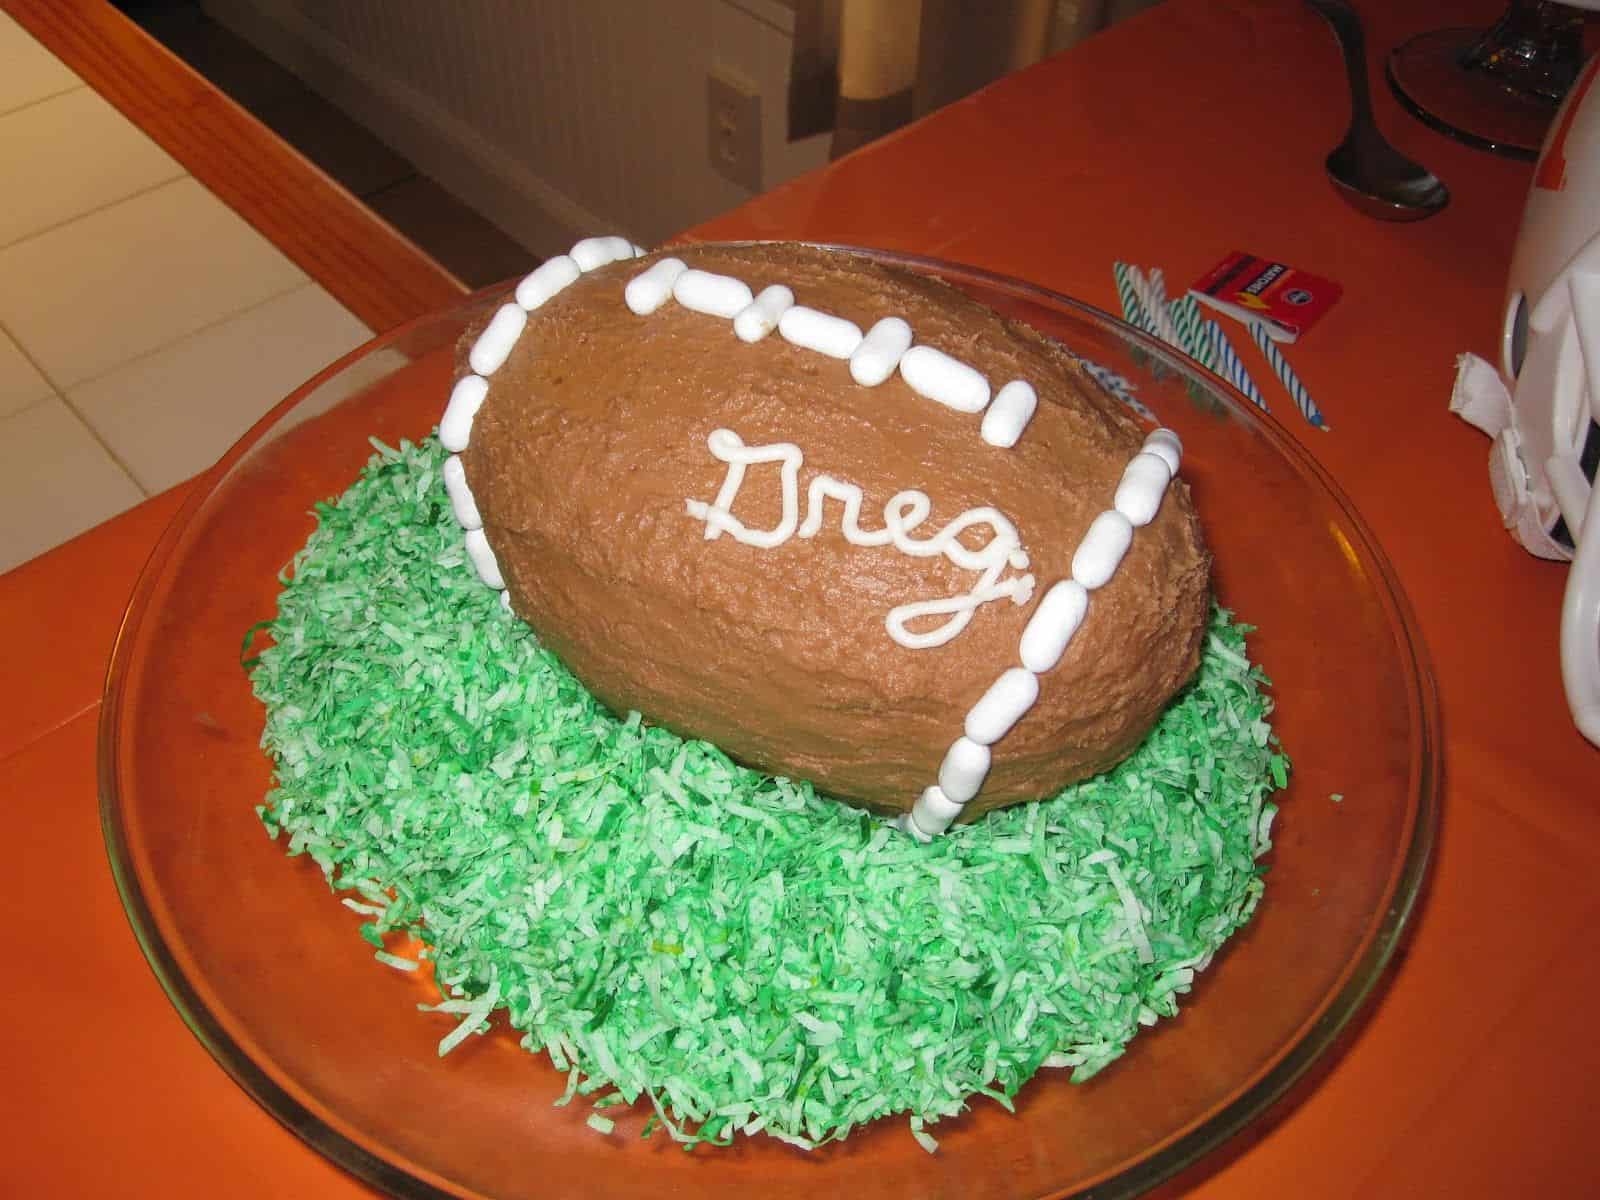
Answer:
(903, 514)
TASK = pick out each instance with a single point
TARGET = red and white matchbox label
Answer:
(1250, 288)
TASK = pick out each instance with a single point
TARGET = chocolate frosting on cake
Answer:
(594, 435)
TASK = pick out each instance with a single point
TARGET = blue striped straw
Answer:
(1286, 376)
(1230, 368)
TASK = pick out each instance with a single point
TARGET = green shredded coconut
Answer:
(728, 952)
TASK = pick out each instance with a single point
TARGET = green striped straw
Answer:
(1191, 331)
(1192, 339)
(1132, 312)
(1151, 290)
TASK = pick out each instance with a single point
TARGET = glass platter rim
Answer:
(1339, 1008)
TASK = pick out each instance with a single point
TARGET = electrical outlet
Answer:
(733, 129)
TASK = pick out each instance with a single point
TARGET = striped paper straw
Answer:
(1191, 331)
(1286, 376)
(1158, 296)
(1185, 314)
(1230, 368)
(1152, 301)
(1131, 311)
(1134, 312)
(1158, 285)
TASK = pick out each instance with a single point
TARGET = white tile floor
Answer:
(143, 325)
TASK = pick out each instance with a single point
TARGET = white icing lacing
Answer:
(872, 359)
(488, 355)
(1046, 637)
(903, 513)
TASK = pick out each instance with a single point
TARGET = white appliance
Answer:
(1541, 402)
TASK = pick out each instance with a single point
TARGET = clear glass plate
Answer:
(268, 969)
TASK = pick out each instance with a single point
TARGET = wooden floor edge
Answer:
(364, 262)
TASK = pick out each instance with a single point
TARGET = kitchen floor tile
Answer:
(173, 413)
(21, 385)
(77, 154)
(28, 72)
(55, 481)
(101, 290)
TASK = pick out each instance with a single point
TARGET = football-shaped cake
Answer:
(835, 518)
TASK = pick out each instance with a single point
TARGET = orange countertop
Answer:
(1194, 129)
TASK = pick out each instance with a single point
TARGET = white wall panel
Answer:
(556, 118)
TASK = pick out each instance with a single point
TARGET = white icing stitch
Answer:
(1009, 415)
(715, 295)
(902, 514)
(963, 770)
(1049, 631)
(1051, 628)
(461, 500)
(598, 251)
(545, 281)
(455, 427)
(638, 250)
(879, 353)
(1166, 444)
(482, 556)
(813, 330)
(932, 814)
(760, 317)
(1144, 482)
(949, 381)
(1099, 554)
(1002, 706)
(495, 342)
(652, 287)
(905, 824)
(505, 600)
